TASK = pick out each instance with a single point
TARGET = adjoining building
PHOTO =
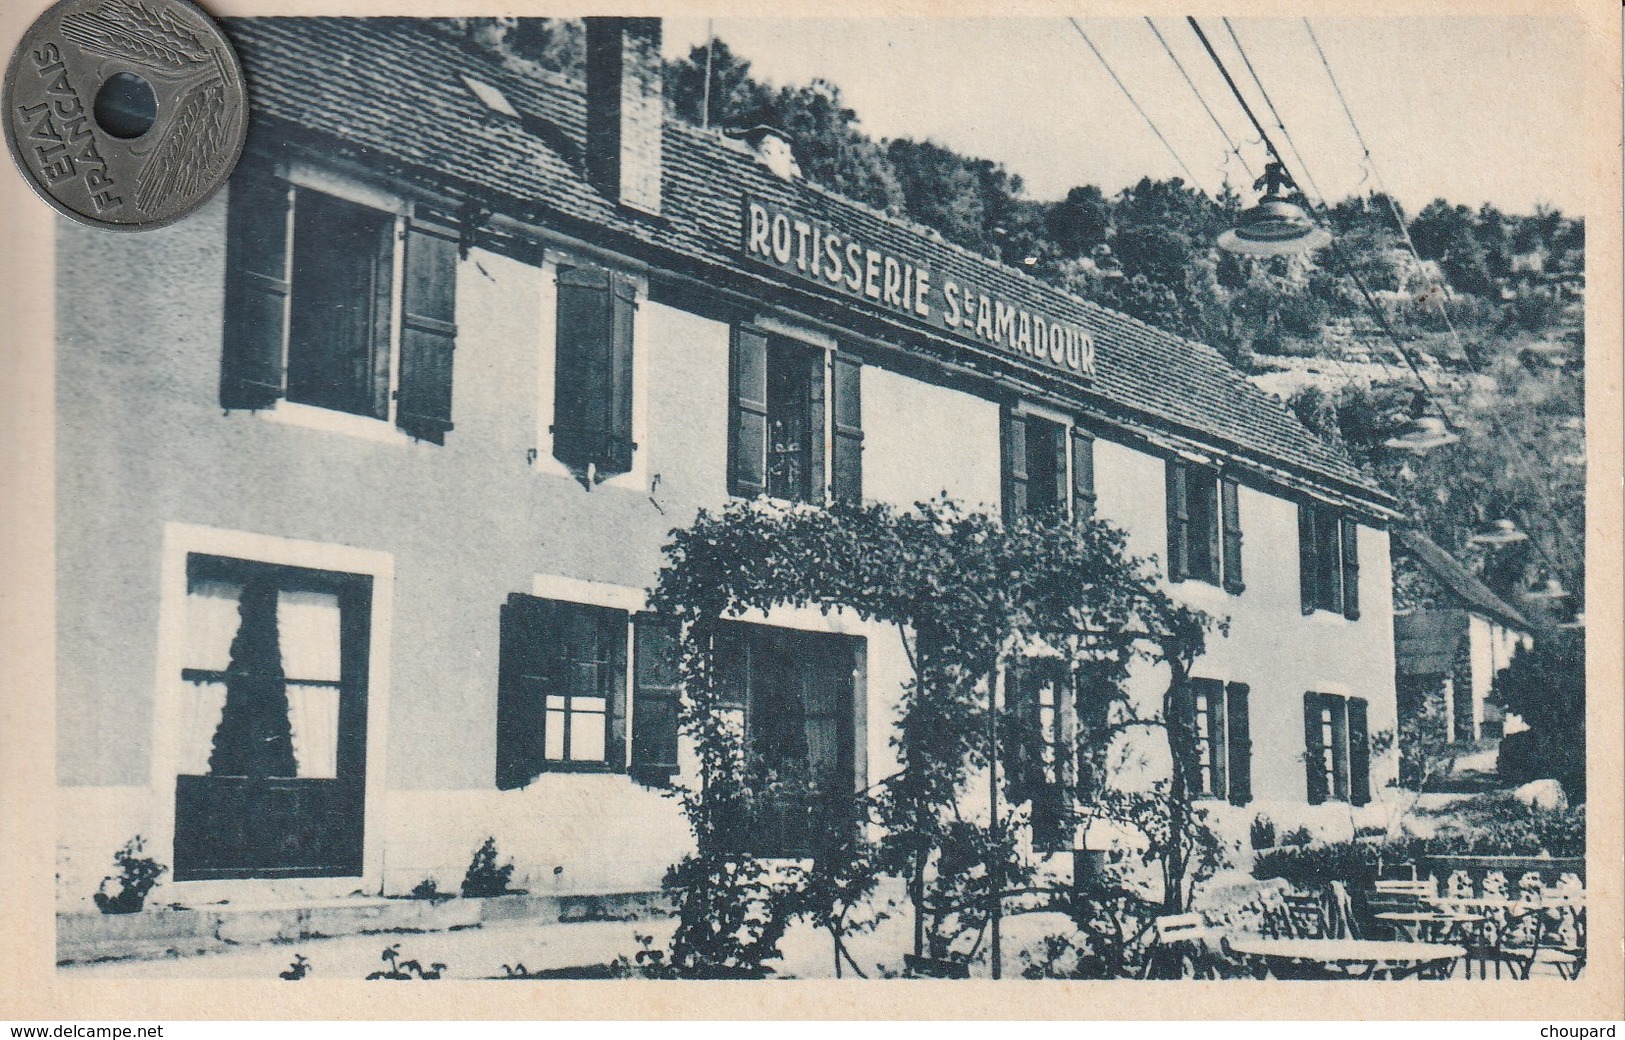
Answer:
(364, 468)
(1454, 641)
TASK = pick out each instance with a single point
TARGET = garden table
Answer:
(1349, 958)
(1430, 925)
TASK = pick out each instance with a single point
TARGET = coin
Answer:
(125, 114)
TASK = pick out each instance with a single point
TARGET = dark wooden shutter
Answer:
(1178, 522)
(817, 477)
(1239, 735)
(428, 331)
(860, 712)
(1230, 519)
(1218, 746)
(256, 290)
(1308, 564)
(846, 473)
(1056, 435)
(730, 665)
(1359, 753)
(1314, 756)
(530, 657)
(1351, 568)
(611, 626)
(1013, 448)
(1083, 473)
(592, 370)
(656, 649)
(1340, 746)
(747, 421)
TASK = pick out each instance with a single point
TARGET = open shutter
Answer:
(256, 313)
(1314, 756)
(747, 422)
(655, 696)
(1178, 522)
(1063, 487)
(1230, 519)
(1308, 564)
(817, 475)
(531, 645)
(1013, 447)
(1083, 473)
(860, 713)
(592, 370)
(730, 665)
(428, 331)
(1359, 753)
(1351, 568)
(612, 639)
(846, 473)
(1218, 746)
(1239, 741)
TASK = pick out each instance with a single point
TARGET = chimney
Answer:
(625, 110)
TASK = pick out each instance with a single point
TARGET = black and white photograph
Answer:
(680, 497)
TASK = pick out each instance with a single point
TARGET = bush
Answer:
(1262, 833)
(1298, 836)
(1356, 864)
(484, 878)
(136, 876)
(1504, 826)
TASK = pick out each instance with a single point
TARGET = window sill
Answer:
(633, 480)
(326, 420)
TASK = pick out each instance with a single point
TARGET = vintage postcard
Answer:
(600, 507)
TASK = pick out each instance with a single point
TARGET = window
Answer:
(311, 294)
(1039, 764)
(1337, 750)
(272, 726)
(1328, 560)
(1036, 466)
(1204, 526)
(592, 390)
(1218, 715)
(562, 685)
(802, 695)
(781, 414)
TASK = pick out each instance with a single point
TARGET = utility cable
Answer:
(1126, 93)
(1234, 148)
(1279, 123)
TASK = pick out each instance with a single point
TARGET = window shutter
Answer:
(656, 648)
(1083, 473)
(612, 634)
(531, 645)
(1230, 511)
(730, 664)
(860, 713)
(1217, 732)
(1178, 522)
(1359, 753)
(256, 290)
(747, 439)
(1238, 731)
(1314, 756)
(1340, 746)
(1351, 568)
(817, 396)
(428, 331)
(592, 370)
(846, 475)
(1063, 487)
(1013, 445)
(1308, 565)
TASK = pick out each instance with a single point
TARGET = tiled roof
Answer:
(1449, 572)
(392, 89)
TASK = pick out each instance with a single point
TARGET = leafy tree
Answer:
(1546, 687)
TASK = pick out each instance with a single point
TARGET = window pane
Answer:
(554, 749)
(789, 448)
(313, 714)
(1202, 506)
(211, 622)
(586, 737)
(201, 706)
(308, 624)
(555, 703)
(1043, 471)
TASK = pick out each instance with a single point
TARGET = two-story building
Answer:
(364, 470)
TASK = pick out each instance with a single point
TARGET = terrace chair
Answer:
(1514, 945)
(1305, 916)
(1181, 936)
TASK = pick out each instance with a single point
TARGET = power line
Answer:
(1281, 125)
(1121, 86)
(1234, 148)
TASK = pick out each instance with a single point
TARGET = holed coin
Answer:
(125, 114)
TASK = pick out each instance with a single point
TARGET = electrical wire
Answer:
(1279, 123)
(1126, 93)
(1234, 148)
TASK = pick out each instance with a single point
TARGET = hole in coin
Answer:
(125, 106)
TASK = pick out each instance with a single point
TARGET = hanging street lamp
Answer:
(1499, 533)
(1279, 225)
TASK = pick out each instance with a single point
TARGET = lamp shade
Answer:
(1423, 434)
(1500, 532)
(1274, 227)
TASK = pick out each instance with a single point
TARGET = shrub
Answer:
(1262, 833)
(429, 889)
(484, 878)
(136, 876)
(1312, 867)
(1298, 836)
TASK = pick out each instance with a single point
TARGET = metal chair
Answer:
(1183, 936)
